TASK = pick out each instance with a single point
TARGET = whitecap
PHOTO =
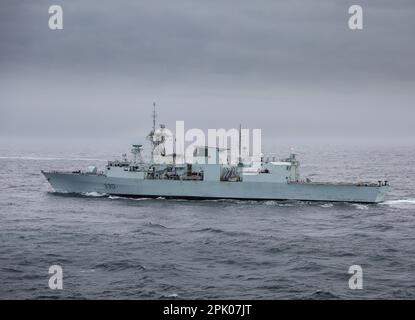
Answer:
(94, 194)
(270, 202)
(401, 203)
(113, 197)
(287, 204)
(360, 206)
(89, 270)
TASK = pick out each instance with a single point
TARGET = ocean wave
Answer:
(87, 271)
(155, 225)
(230, 201)
(118, 265)
(321, 294)
(61, 193)
(278, 249)
(213, 230)
(112, 197)
(360, 206)
(230, 233)
(402, 203)
(94, 194)
(171, 295)
(278, 203)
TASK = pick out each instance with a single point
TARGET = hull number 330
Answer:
(109, 186)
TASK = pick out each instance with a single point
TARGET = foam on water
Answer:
(113, 197)
(94, 194)
(360, 206)
(278, 203)
(402, 203)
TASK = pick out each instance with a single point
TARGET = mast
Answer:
(154, 117)
(150, 136)
(153, 143)
(240, 145)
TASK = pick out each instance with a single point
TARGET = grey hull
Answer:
(84, 183)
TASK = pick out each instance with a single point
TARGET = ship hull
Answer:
(129, 187)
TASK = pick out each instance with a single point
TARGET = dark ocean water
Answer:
(118, 248)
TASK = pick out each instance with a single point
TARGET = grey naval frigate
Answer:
(265, 179)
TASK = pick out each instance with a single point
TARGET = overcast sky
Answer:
(291, 68)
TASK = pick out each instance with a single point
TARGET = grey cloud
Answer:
(285, 66)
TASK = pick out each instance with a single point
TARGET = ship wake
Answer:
(401, 203)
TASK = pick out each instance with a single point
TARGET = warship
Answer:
(201, 178)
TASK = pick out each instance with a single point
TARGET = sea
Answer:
(120, 248)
